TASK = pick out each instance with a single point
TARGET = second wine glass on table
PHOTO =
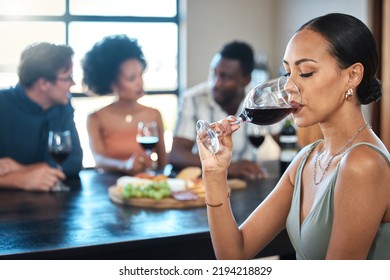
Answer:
(60, 146)
(265, 104)
(256, 135)
(147, 137)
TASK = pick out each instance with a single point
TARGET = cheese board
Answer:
(165, 203)
(164, 193)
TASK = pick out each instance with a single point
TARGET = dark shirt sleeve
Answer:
(24, 130)
(73, 163)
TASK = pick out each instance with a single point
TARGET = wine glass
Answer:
(147, 136)
(60, 146)
(256, 135)
(265, 104)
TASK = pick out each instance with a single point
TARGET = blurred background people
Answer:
(116, 65)
(222, 95)
(39, 103)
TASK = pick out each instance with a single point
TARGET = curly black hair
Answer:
(101, 64)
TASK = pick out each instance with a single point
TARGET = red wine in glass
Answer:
(256, 140)
(256, 135)
(147, 137)
(265, 115)
(59, 156)
(265, 104)
(147, 142)
(59, 147)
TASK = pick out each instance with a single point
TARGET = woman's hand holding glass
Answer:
(137, 163)
(219, 162)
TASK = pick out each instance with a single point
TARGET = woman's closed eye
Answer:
(303, 75)
(306, 75)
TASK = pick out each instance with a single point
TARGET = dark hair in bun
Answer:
(351, 42)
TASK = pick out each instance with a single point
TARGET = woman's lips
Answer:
(298, 109)
(296, 105)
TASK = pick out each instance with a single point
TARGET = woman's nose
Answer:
(290, 87)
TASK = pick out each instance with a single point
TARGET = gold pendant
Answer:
(128, 118)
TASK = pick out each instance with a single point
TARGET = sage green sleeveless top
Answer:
(311, 239)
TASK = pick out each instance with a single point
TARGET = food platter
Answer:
(183, 192)
(165, 203)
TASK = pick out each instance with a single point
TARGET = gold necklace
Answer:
(319, 161)
(316, 162)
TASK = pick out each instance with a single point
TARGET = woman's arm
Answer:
(137, 163)
(229, 240)
(98, 150)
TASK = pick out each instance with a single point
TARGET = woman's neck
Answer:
(340, 132)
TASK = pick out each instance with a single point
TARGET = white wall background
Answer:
(266, 24)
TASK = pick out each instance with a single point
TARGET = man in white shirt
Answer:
(221, 96)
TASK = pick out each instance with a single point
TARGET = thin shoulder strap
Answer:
(311, 147)
(307, 151)
(386, 156)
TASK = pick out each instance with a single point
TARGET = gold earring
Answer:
(349, 94)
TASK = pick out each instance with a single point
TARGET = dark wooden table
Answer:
(85, 224)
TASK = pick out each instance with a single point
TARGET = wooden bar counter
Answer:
(85, 224)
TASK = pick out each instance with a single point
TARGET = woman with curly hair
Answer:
(116, 65)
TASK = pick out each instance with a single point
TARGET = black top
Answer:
(24, 127)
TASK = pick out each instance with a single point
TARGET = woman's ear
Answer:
(355, 74)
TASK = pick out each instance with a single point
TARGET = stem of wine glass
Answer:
(254, 154)
(209, 137)
(148, 153)
(150, 169)
(238, 121)
(60, 186)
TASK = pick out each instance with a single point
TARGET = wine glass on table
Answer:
(147, 137)
(60, 146)
(265, 104)
(256, 135)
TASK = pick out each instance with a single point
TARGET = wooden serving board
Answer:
(165, 203)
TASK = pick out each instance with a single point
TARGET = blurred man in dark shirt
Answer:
(40, 102)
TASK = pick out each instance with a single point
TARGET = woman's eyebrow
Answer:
(301, 61)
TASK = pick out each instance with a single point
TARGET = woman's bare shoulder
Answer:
(102, 115)
(364, 165)
(366, 157)
(102, 110)
(151, 112)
